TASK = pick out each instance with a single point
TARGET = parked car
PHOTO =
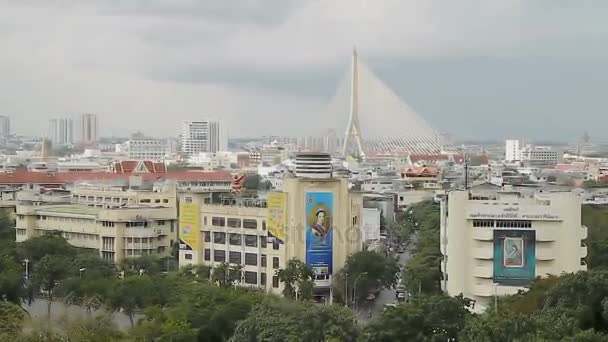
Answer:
(401, 296)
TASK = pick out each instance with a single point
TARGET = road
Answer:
(59, 311)
(386, 296)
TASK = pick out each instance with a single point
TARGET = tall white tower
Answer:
(353, 130)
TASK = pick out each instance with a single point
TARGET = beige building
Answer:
(104, 195)
(115, 232)
(240, 231)
(497, 242)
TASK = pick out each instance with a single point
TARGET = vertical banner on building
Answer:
(277, 215)
(514, 257)
(189, 226)
(319, 231)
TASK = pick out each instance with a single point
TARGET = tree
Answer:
(48, 272)
(226, 275)
(131, 294)
(11, 280)
(150, 264)
(297, 279)
(595, 218)
(368, 271)
(53, 244)
(11, 320)
(164, 325)
(252, 182)
(290, 321)
(434, 318)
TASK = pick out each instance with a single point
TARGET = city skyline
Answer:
(261, 66)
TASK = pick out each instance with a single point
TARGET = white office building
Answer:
(517, 150)
(147, 149)
(512, 150)
(203, 136)
(61, 131)
(497, 242)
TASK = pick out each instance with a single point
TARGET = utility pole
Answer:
(346, 289)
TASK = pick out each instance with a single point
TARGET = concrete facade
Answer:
(473, 225)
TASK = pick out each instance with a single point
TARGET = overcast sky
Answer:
(474, 69)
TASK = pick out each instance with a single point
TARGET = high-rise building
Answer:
(61, 131)
(5, 126)
(513, 150)
(203, 136)
(88, 129)
(147, 149)
(496, 242)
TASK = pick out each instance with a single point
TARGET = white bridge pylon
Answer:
(379, 121)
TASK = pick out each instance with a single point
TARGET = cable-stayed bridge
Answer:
(380, 122)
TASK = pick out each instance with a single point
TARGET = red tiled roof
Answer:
(421, 172)
(28, 177)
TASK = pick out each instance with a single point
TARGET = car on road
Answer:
(401, 296)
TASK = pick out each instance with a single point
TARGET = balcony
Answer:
(546, 235)
(545, 252)
(582, 251)
(583, 233)
(485, 253)
(483, 234)
(483, 270)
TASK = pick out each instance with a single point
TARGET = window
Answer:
(165, 200)
(250, 224)
(263, 224)
(263, 260)
(144, 200)
(263, 241)
(219, 237)
(275, 263)
(188, 199)
(219, 255)
(275, 244)
(207, 236)
(235, 258)
(218, 221)
(263, 279)
(207, 254)
(157, 200)
(251, 259)
(235, 239)
(251, 240)
(205, 220)
(483, 223)
(161, 222)
(233, 223)
(275, 281)
(188, 256)
(513, 224)
(251, 278)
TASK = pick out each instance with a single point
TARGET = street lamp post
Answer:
(495, 298)
(80, 271)
(355, 288)
(26, 261)
(346, 289)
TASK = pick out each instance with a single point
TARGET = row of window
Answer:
(251, 259)
(503, 223)
(60, 219)
(116, 199)
(231, 222)
(238, 239)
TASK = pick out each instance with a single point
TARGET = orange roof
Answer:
(421, 172)
(28, 177)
